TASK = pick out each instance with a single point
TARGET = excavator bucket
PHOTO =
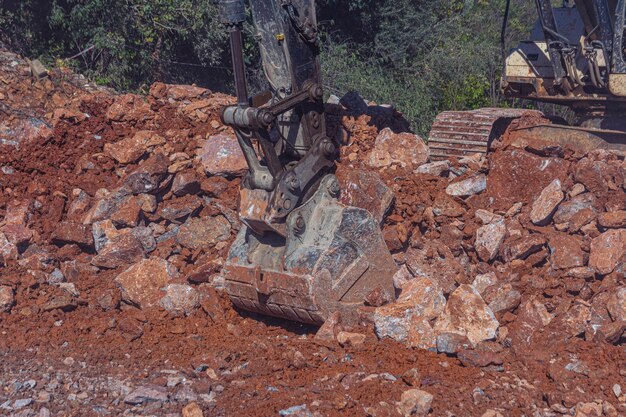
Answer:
(331, 258)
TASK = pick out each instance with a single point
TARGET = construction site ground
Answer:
(117, 211)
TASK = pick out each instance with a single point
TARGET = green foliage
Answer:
(128, 43)
(428, 56)
(423, 56)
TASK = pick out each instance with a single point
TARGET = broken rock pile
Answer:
(525, 248)
(121, 186)
(117, 211)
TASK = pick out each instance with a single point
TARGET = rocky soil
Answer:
(117, 212)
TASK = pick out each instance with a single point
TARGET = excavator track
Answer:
(463, 133)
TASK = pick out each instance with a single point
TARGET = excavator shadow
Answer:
(293, 327)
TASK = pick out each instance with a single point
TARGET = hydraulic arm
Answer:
(301, 255)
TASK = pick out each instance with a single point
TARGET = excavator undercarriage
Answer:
(574, 58)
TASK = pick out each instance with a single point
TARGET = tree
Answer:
(424, 56)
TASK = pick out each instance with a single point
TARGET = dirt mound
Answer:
(117, 214)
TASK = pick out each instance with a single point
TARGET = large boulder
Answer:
(129, 108)
(467, 187)
(144, 395)
(532, 317)
(222, 155)
(593, 175)
(178, 209)
(521, 247)
(73, 233)
(408, 320)
(516, 175)
(106, 203)
(404, 149)
(607, 251)
(8, 250)
(141, 284)
(180, 299)
(451, 343)
(415, 403)
(438, 168)
(546, 203)
(121, 250)
(484, 281)
(203, 232)
(437, 262)
(502, 298)
(186, 182)
(565, 251)
(148, 176)
(489, 238)
(576, 212)
(7, 299)
(613, 219)
(444, 205)
(364, 189)
(19, 235)
(128, 213)
(178, 92)
(617, 304)
(467, 314)
(132, 148)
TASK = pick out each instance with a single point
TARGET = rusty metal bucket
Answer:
(330, 258)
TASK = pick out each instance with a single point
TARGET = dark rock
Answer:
(63, 302)
(120, 250)
(522, 247)
(130, 328)
(568, 210)
(7, 299)
(479, 359)
(451, 343)
(180, 208)
(148, 177)
(185, 182)
(412, 377)
(144, 395)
